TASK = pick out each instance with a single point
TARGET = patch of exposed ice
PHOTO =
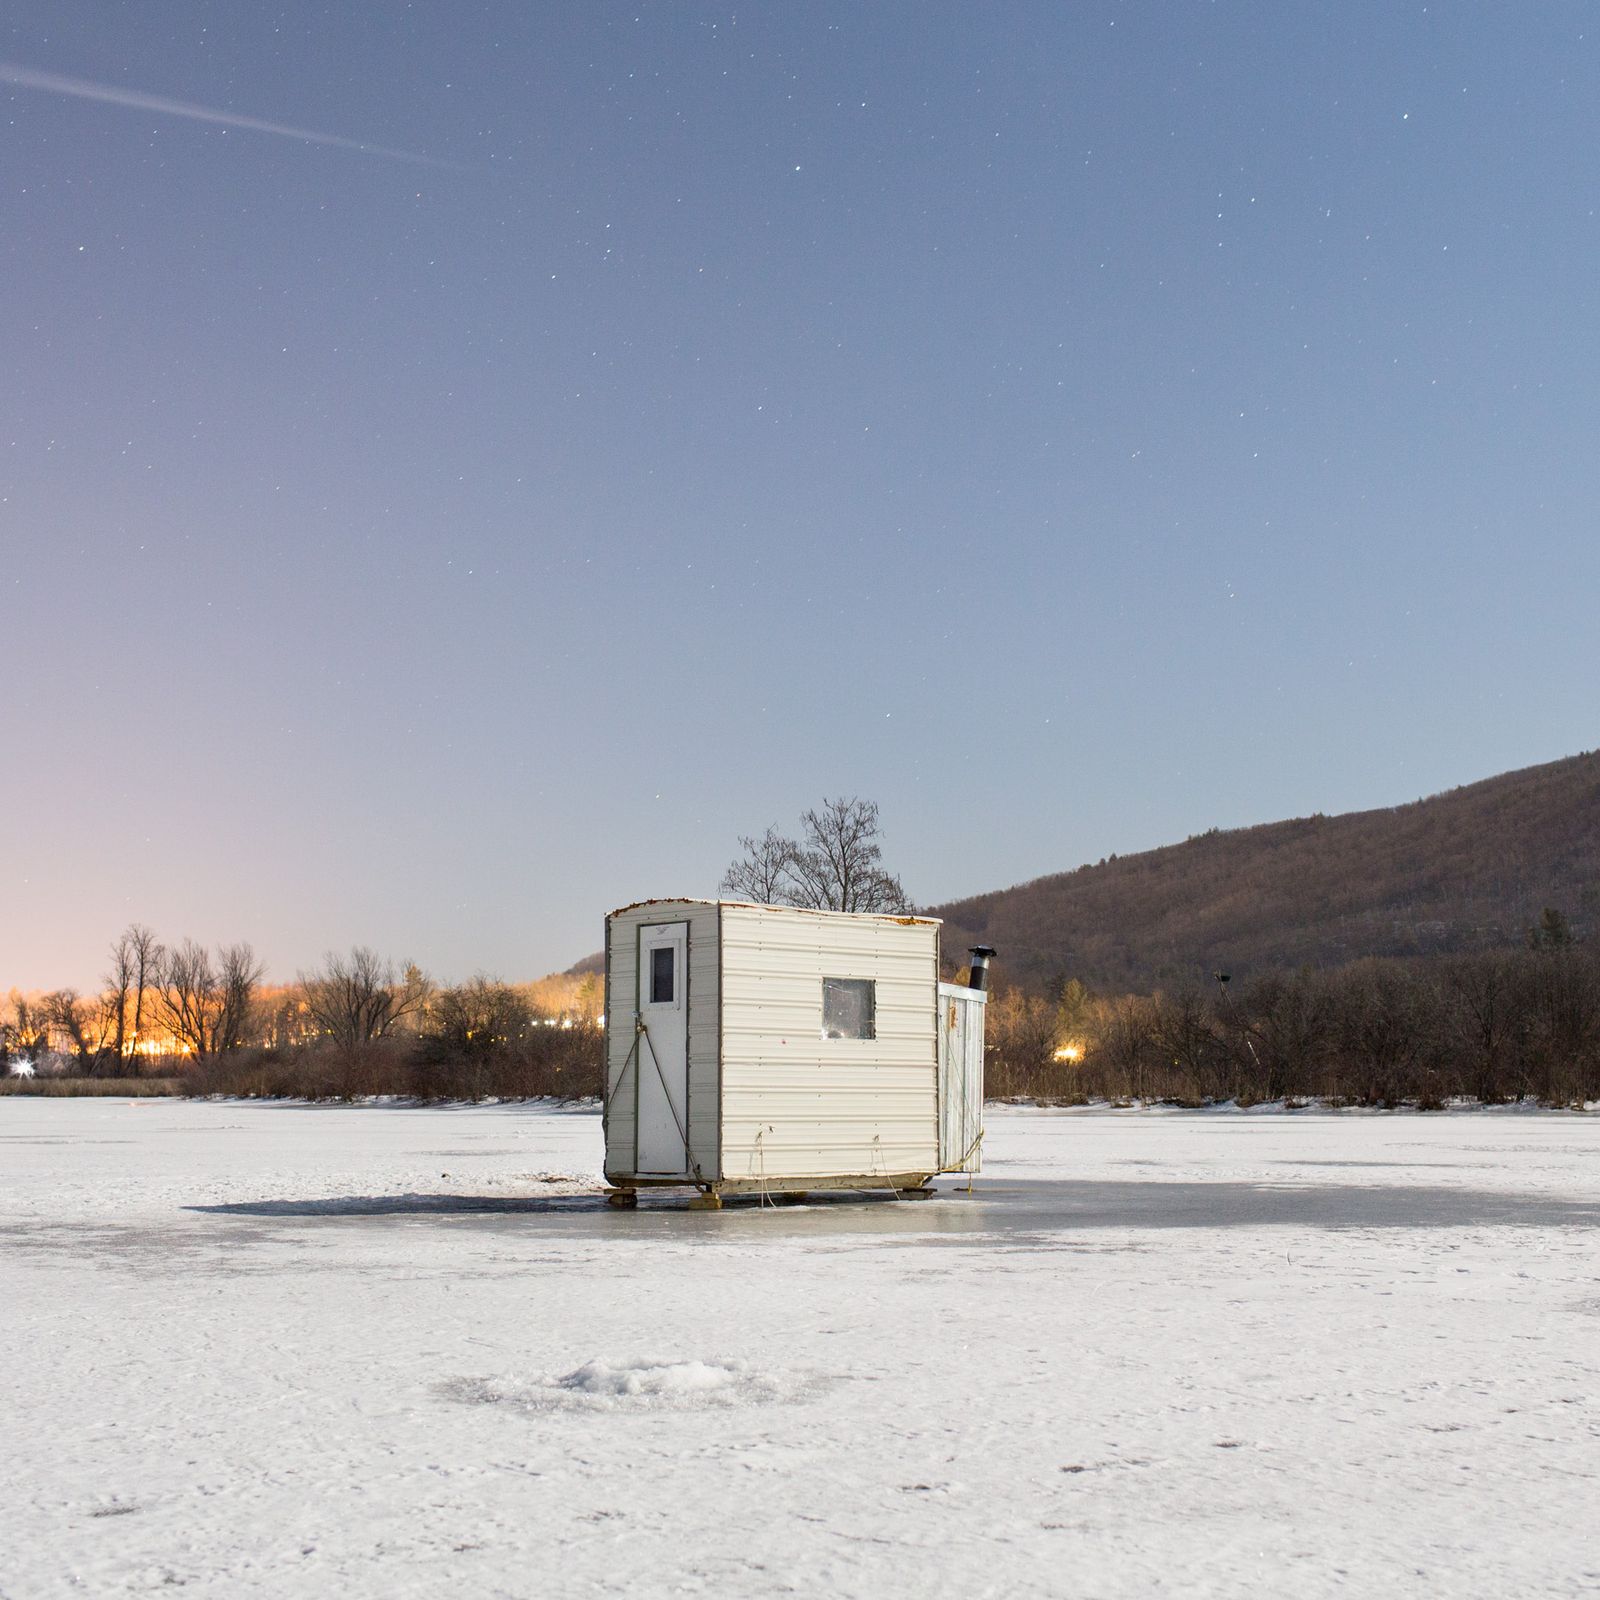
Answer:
(638, 1385)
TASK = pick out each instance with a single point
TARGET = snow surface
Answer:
(292, 1351)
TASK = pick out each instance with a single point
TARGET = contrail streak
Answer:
(110, 95)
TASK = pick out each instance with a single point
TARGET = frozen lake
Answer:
(371, 1352)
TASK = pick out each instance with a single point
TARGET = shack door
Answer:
(663, 1063)
(960, 1077)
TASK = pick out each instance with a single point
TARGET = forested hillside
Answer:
(1467, 870)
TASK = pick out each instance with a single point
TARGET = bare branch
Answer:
(762, 873)
(205, 1007)
(836, 865)
(355, 999)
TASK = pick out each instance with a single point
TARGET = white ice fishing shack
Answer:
(764, 1049)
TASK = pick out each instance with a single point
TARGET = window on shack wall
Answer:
(661, 976)
(849, 1008)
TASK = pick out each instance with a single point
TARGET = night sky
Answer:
(1072, 426)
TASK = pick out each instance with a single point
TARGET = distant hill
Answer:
(1470, 869)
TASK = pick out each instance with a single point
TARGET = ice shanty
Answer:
(766, 1049)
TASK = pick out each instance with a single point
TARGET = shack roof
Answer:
(788, 911)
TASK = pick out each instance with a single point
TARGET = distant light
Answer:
(1069, 1052)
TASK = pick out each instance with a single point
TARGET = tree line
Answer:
(154, 999)
(356, 1023)
(1494, 1027)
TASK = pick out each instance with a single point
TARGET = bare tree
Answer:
(1484, 1014)
(1561, 1004)
(762, 872)
(474, 1017)
(1387, 1021)
(415, 997)
(239, 973)
(89, 1026)
(1284, 1024)
(1021, 1030)
(836, 864)
(97, 1029)
(186, 986)
(205, 1007)
(1125, 1042)
(1186, 1035)
(279, 1020)
(119, 981)
(28, 1030)
(356, 999)
(135, 961)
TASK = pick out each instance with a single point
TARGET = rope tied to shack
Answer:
(879, 1157)
(972, 1150)
(641, 1031)
(622, 1077)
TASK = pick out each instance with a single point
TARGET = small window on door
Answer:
(849, 1007)
(662, 975)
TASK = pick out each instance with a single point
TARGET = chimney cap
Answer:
(984, 950)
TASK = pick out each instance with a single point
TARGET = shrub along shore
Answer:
(1497, 1028)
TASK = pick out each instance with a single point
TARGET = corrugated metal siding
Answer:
(622, 979)
(795, 1105)
(961, 1077)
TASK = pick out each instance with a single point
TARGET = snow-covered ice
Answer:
(287, 1351)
